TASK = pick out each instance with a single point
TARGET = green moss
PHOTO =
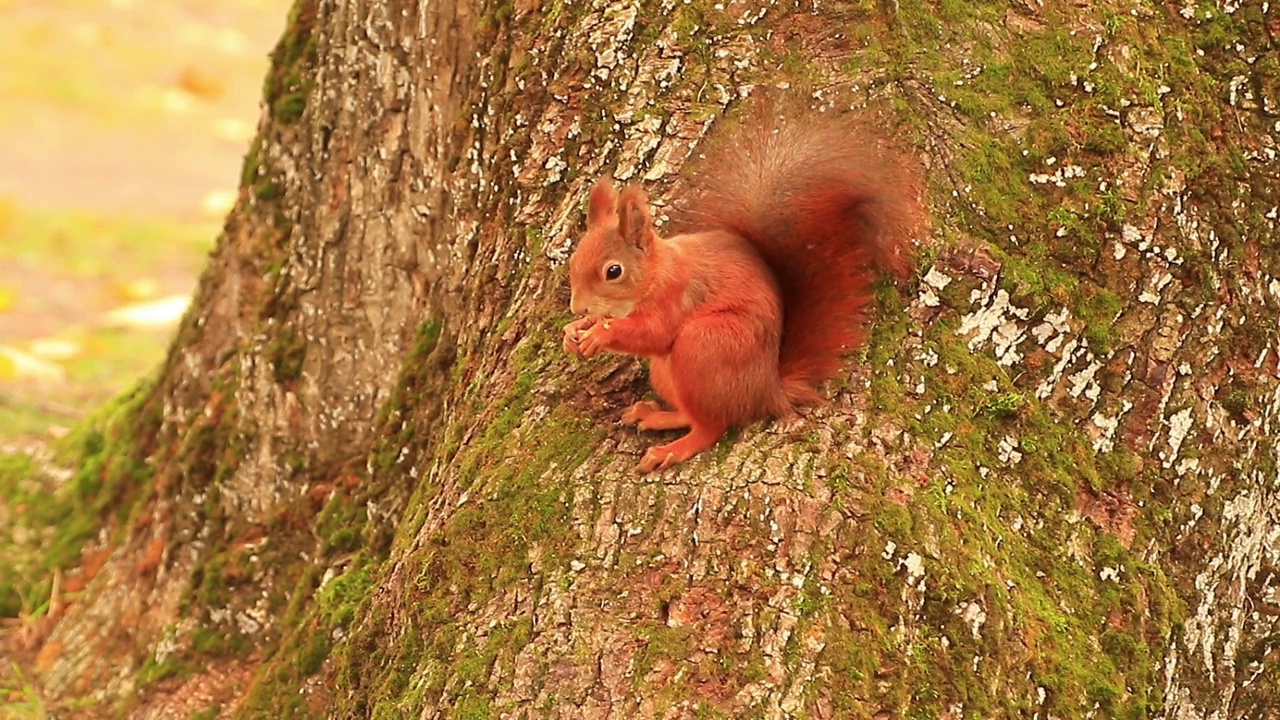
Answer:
(1030, 589)
(671, 644)
(286, 90)
(288, 109)
(153, 671)
(19, 491)
(483, 547)
(472, 706)
(989, 165)
(267, 190)
(341, 524)
(112, 475)
(286, 353)
(215, 643)
(427, 339)
(1106, 139)
(1236, 397)
(1005, 405)
(315, 650)
(252, 163)
(341, 597)
(211, 587)
(1099, 312)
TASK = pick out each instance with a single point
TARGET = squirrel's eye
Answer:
(613, 272)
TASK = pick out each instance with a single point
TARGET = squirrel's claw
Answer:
(637, 413)
(649, 415)
(661, 457)
(573, 335)
(571, 344)
(593, 340)
(656, 458)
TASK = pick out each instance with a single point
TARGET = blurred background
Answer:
(123, 124)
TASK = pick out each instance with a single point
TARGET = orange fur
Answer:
(764, 291)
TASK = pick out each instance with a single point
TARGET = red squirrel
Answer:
(756, 300)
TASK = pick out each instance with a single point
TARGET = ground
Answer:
(121, 139)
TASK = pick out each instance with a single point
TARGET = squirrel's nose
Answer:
(578, 308)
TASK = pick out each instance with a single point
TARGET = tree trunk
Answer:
(368, 482)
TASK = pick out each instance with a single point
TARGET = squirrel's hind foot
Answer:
(649, 415)
(661, 457)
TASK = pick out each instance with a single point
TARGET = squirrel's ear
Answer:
(634, 222)
(603, 203)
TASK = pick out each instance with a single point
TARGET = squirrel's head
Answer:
(608, 266)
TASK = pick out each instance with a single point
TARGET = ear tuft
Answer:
(635, 225)
(603, 203)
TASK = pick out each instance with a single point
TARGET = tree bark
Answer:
(368, 483)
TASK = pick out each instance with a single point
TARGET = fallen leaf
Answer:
(219, 202)
(140, 289)
(176, 101)
(18, 365)
(55, 349)
(233, 130)
(201, 84)
(158, 313)
(6, 299)
(232, 41)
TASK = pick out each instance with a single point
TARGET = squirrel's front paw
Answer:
(571, 343)
(594, 339)
(573, 335)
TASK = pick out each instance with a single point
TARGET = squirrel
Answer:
(789, 220)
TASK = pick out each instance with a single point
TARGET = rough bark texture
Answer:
(367, 483)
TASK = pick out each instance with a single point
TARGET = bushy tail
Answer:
(827, 206)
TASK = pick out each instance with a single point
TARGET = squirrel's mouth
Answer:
(610, 310)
